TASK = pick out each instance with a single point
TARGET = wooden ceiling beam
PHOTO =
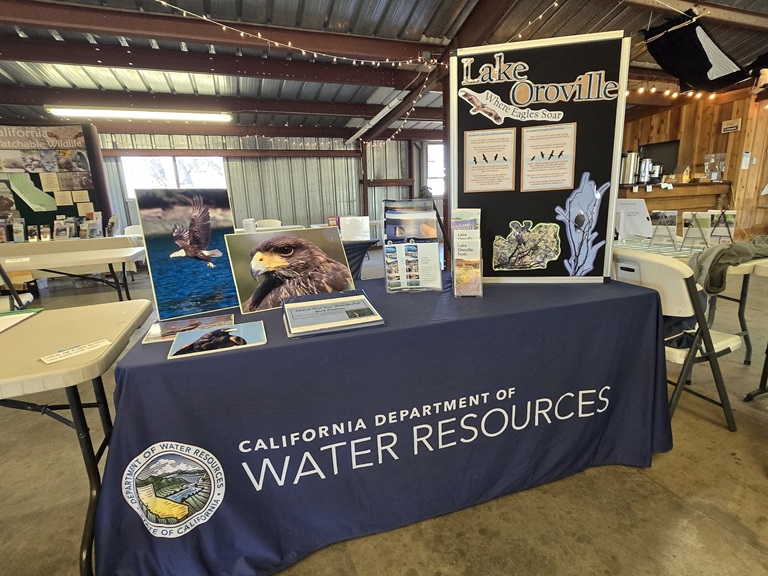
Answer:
(102, 55)
(18, 96)
(143, 24)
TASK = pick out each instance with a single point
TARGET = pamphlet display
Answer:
(696, 230)
(664, 224)
(467, 254)
(186, 253)
(208, 341)
(722, 226)
(536, 145)
(272, 265)
(326, 313)
(411, 248)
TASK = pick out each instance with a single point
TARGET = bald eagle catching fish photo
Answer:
(290, 265)
(194, 240)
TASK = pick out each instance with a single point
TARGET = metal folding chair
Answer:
(674, 282)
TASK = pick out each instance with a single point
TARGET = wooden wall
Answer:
(697, 125)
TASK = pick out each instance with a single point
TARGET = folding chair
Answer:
(674, 282)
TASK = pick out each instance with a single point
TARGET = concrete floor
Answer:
(700, 509)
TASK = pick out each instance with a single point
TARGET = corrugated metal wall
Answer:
(300, 190)
(387, 161)
(294, 190)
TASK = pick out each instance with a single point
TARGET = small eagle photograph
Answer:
(206, 341)
(271, 266)
(187, 256)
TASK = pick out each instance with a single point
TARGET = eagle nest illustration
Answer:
(292, 266)
(194, 240)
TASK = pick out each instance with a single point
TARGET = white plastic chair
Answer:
(132, 230)
(674, 282)
(268, 223)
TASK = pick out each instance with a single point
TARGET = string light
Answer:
(431, 63)
(519, 35)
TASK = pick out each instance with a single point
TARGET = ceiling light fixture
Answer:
(127, 113)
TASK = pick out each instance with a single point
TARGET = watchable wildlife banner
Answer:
(535, 142)
(186, 252)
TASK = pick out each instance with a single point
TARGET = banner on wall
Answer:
(535, 144)
(37, 162)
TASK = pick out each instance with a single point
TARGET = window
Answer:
(141, 172)
(435, 169)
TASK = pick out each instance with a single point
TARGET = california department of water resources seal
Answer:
(173, 487)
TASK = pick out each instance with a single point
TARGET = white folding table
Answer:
(23, 372)
(58, 262)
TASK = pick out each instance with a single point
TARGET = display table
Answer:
(244, 461)
(23, 373)
(57, 263)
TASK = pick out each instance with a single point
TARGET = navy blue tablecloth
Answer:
(244, 461)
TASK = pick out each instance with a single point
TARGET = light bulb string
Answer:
(519, 34)
(376, 62)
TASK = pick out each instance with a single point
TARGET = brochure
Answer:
(467, 253)
(325, 313)
(411, 248)
(208, 341)
(165, 331)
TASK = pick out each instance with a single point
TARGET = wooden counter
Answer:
(691, 197)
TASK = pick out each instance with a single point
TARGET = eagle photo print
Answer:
(188, 263)
(271, 266)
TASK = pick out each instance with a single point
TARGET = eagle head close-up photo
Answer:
(292, 266)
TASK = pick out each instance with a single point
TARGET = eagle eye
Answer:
(284, 250)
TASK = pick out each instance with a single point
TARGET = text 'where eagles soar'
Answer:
(586, 87)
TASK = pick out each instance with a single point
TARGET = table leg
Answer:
(103, 406)
(117, 282)
(125, 284)
(763, 387)
(94, 479)
(743, 318)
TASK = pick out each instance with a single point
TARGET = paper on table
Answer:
(35, 198)
(13, 318)
(76, 351)
(63, 197)
(84, 208)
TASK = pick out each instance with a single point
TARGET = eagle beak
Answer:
(265, 262)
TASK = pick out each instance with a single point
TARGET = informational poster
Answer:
(548, 154)
(536, 144)
(38, 160)
(490, 160)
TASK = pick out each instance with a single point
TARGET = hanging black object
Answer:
(684, 49)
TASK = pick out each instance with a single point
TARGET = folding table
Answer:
(23, 372)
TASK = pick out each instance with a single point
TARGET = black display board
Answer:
(535, 144)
